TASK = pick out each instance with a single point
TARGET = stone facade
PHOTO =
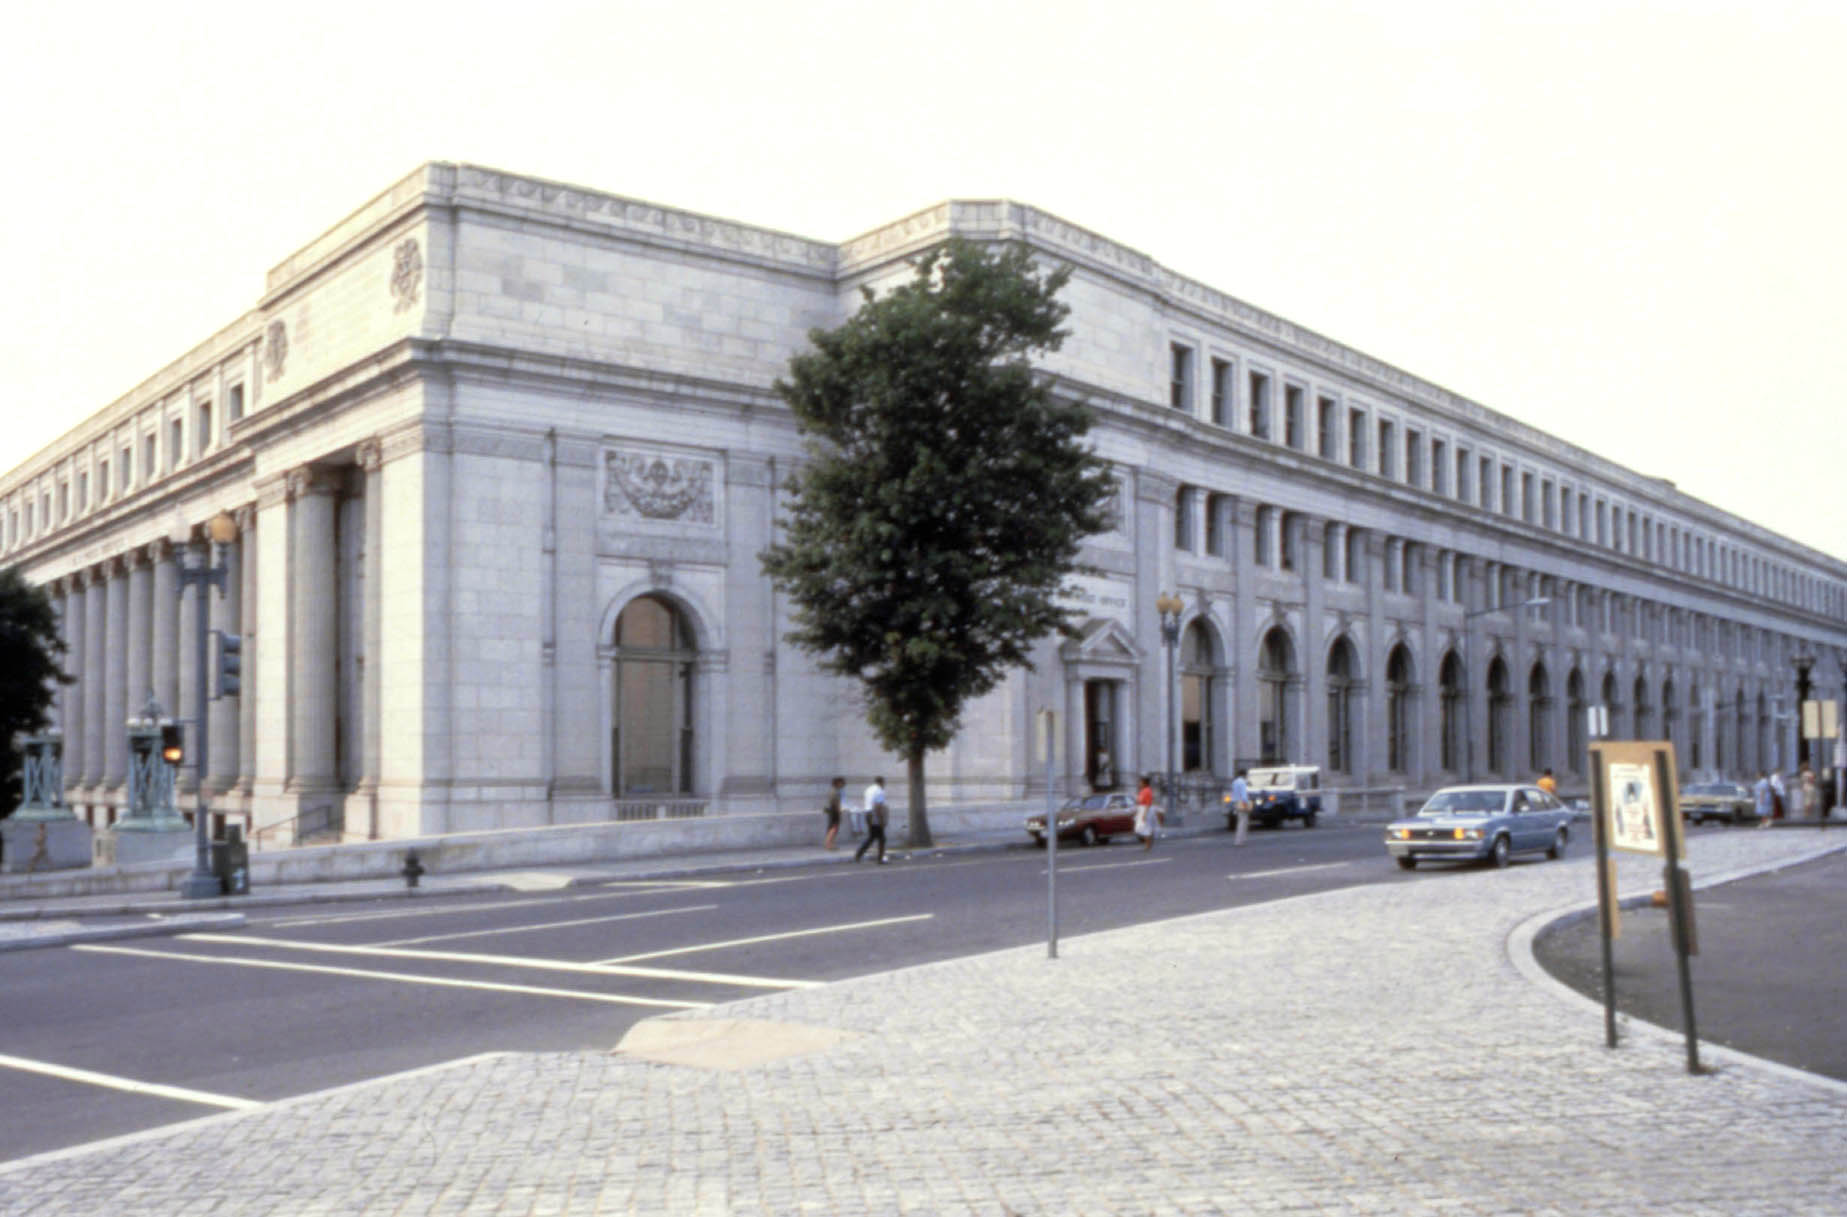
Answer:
(502, 454)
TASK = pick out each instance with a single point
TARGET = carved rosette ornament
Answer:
(275, 349)
(657, 487)
(406, 274)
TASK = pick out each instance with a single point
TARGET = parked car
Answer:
(1481, 823)
(1726, 802)
(1092, 819)
(1279, 794)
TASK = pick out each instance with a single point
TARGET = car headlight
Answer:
(1066, 821)
(1398, 834)
(1468, 834)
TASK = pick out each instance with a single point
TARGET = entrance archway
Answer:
(652, 738)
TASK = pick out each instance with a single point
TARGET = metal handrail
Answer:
(333, 814)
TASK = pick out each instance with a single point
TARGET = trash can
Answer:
(231, 862)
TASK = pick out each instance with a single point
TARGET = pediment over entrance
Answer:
(1102, 640)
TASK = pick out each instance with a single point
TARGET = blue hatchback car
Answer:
(1481, 824)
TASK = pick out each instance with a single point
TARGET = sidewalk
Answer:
(1378, 1050)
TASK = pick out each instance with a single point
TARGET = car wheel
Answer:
(1501, 853)
(1090, 834)
(1406, 863)
(1308, 821)
(1558, 845)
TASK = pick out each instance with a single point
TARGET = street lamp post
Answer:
(1468, 674)
(210, 572)
(1170, 607)
(1805, 663)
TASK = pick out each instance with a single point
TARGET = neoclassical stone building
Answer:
(502, 453)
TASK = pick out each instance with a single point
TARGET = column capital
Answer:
(136, 558)
(306, 480)
(370, 455)
(112, 567)
(160, 549)
(246, 517)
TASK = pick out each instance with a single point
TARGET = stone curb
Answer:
(184, 923)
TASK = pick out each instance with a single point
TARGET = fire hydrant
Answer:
(413, 868)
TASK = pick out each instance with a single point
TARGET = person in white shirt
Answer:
(874, 812)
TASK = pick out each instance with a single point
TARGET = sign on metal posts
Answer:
(1636, 808)
(1045, 743)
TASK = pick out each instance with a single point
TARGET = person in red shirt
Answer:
(1145, 813)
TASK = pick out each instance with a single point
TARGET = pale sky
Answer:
(1624, 223)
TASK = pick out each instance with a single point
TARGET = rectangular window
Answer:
(1180, 388)
(1509, 505)
(64, 501)
(1584, 515)
(1326, 435)
(1356, 438)
(1260, 405)
(83, 491)
(1439, 466)
(1221, 392)
(205, 426)
(1215, 535)
(1462, 474)
(123, 476)
(1183, 519)
(1603, 523)
(1484, 482)
(234, 402)
(1388, 455)
(1286, 539)
(1293, 433)
(176, 435)
(1414, 457)
(102, 481)
(148, 466)
(1528, 507)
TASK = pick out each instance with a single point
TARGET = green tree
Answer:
(29, 651)
(945, 497)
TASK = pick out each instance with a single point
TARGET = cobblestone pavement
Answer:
(1377, 1050)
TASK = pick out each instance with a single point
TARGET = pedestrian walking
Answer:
(1779, 794)
(832, 811)
(1241, 805)
(1547, 782)
(1765, 799)
(874, 811)
(1145, 814)
(1809, 792)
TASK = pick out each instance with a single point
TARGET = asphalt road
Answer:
(316, 996)
(1768, 979)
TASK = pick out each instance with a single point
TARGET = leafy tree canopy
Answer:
(29, 652)
(946, 495)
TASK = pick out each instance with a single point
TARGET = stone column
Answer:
(222, 716)
(1315, 726)
(314, 637)
(186, 652)
(746, 755)
(70, 697)
(1475, 675)
(247, 614)
(1519, 679)
(371, 461)
(1426, 693)
(140, 630)
(164, 639)
(95, 623)
(1153, 530)
(115, 677)
(1240, 537)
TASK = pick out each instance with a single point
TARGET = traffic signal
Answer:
(172, 743)
(230, 664)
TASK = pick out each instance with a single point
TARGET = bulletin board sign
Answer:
(1638, 796)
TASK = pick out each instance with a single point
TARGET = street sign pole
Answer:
(1048, 737)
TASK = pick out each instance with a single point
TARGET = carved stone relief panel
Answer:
(406, 274)
(642, 485)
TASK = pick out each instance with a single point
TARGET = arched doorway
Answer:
(1500, 716)
(1198, 662)
(1343, 669)
(1539, 718)
(1450, 683)
(651, 740)
(1400, 711)
(1275, 678)
(1576, 728)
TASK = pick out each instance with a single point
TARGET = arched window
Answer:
(1275, 676)
(1644, 711)
(1539, 718)
(1450, 683)
(1342, 669)
(1670, 720)
(1399, 710)
(1576, 728)
(1500, 717)
(651, 745)
(1696, 726)
(1613, 703)
(1741, 726)
(1198, 661)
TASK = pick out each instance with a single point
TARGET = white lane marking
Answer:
(672, 884)
(1289, 870)
(401, 978)
(1078, 870)
(510, 961)
(447, 909)
(113, 1082)
(543, 925)
(744, 942)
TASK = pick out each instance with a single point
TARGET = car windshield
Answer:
(1450, 802)
(1273, 779)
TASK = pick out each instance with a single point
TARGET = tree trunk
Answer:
(919, 817)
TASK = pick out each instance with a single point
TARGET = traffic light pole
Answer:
(202, 884)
